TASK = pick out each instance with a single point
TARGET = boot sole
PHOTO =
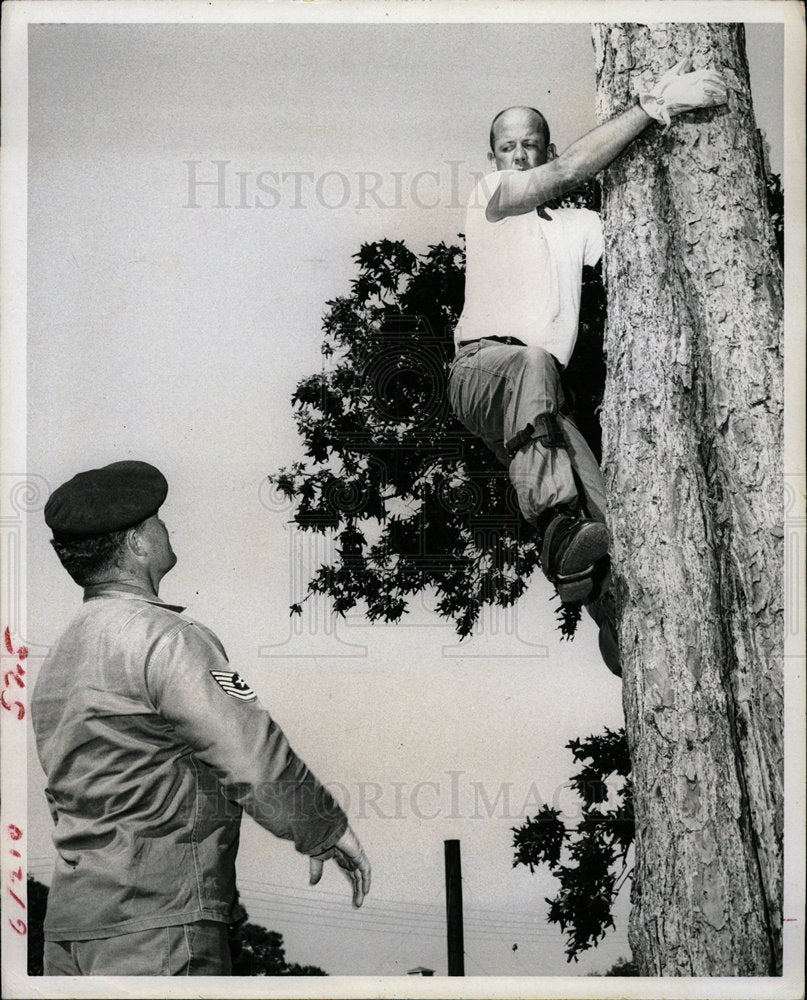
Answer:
(588, 546)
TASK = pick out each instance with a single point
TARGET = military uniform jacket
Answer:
(152, 746)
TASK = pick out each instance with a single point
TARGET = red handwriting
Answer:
(21, 653)
(16, 875)
(13, 677)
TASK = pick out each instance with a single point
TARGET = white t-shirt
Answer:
(523, 275)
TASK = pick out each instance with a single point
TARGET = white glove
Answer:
(679, 90)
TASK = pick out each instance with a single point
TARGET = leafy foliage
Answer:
(413, 501)
(255, 951)
(589, 859)
(623, 967)
(37, 905)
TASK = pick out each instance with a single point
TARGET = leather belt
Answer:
(511, 341)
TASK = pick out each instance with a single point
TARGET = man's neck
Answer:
(129, 585)
(118, 587)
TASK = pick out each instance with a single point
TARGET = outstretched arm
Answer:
(523, 190)
(677, 91)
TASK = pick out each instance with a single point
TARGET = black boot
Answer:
(572, 546)
(602, 608)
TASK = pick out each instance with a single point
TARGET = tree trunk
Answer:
(692, 453)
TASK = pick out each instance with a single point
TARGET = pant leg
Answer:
(208, 950)
(58, 959)
(478, 388)
(495, 390)
(196, 949)
(592, 485)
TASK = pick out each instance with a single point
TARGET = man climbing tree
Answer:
(692, 429)
(519, 324)
(692, 460)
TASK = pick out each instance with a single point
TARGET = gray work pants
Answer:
(495, 390)
(196, 949)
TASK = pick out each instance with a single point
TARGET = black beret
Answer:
(97, 502)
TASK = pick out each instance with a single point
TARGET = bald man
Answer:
(519, 325)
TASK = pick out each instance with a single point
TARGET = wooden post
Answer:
(456, 951)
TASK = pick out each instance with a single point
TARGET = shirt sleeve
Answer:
(594, 242)
(214, 712)
(484, 189)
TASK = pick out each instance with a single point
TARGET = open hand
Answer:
(348, 853)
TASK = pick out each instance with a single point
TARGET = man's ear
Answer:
(492, 158)
(134, 542)
(551, 152)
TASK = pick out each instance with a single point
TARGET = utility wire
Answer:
(389, 916)
(405, 906)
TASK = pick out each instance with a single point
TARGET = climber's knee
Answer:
(549, 431)
(546, 429)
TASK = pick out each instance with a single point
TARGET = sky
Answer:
(195, 195)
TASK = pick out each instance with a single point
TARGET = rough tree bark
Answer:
(693, 460)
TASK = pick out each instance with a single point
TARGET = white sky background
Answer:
(176, 335)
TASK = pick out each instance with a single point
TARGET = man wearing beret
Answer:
(152, 746)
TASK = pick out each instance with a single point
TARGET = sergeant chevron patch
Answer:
(233, 685)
